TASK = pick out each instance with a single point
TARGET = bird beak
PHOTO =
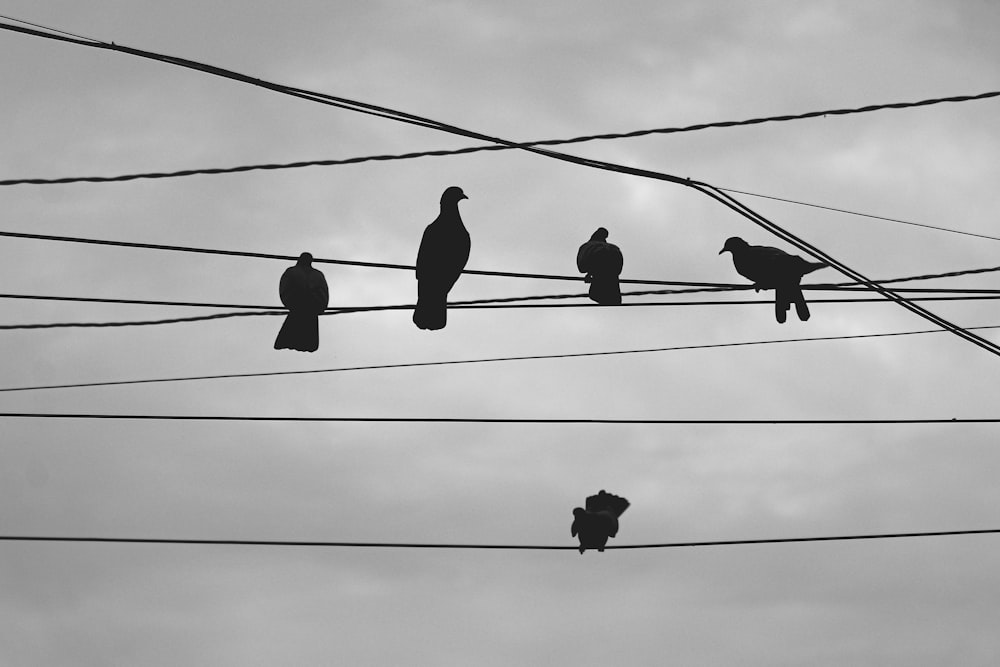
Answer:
(722, 251)
(464, 196)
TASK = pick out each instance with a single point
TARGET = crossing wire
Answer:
(412, 119)
(495, 547)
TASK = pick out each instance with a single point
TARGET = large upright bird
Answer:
(597, 522)
(304, 292)
(771, 268)
(602, 262)
(444, 250)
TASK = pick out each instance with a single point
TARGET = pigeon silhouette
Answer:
(771, 268)
(304, 292)
(444, 250)
(599, 521)
(602, 262)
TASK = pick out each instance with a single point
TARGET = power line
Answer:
(495, 547)
(484, 304)
(492, 420)
(957, 292)
(409, 267)
(318, 260)
(536, 357)
(400, 116)
(863, 215)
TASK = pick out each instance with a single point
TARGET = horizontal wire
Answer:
(319, 260)
(400, 116)
(495, 547)
(409, 267)
(484, 304)
(419, 364)
(491, 420)
(678, 292)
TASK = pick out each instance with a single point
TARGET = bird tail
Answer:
(605, 290)
(431, 311)
(814, 266)
(300, 331)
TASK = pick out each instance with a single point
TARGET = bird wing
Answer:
(443, 253)
(599, 257)
(607, 502)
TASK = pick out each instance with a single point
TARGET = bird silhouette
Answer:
(602, 262)
(598, 521)
(771, 268)
(304, 293)
(443, 253)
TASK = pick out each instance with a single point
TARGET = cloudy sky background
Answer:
(522, 71)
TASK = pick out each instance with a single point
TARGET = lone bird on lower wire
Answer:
(771, 268)
(602, 262)
(304, 293)
(597, 522)
(444, 251)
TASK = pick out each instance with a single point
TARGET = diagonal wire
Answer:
(863, 215)
(422, 364)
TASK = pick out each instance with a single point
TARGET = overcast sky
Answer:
(522, 71)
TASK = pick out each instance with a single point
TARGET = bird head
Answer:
(733, 243)
(578, 512)
(452, 195)
(600, 235)
(305, 259)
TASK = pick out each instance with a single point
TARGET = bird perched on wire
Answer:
(597, 522)
(602, 262)
(443, 253)
(771, 268)
(304, 293)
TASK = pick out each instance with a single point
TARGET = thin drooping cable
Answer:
(393, 114)
(482, 304)
(422, 364)
(489, 420)
(50, 29)
(863, 215)
(495, 547)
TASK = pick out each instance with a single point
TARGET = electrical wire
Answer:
(421, 364)
(320, 260)
(955, 292)
(491, 420)
(400, 116)
(495, 547)
(483, 304)
(863, 215)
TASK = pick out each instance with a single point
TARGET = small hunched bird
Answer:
(771, 268)
(305, 294)
(602, 262)
(444, 251)
(597, 522)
